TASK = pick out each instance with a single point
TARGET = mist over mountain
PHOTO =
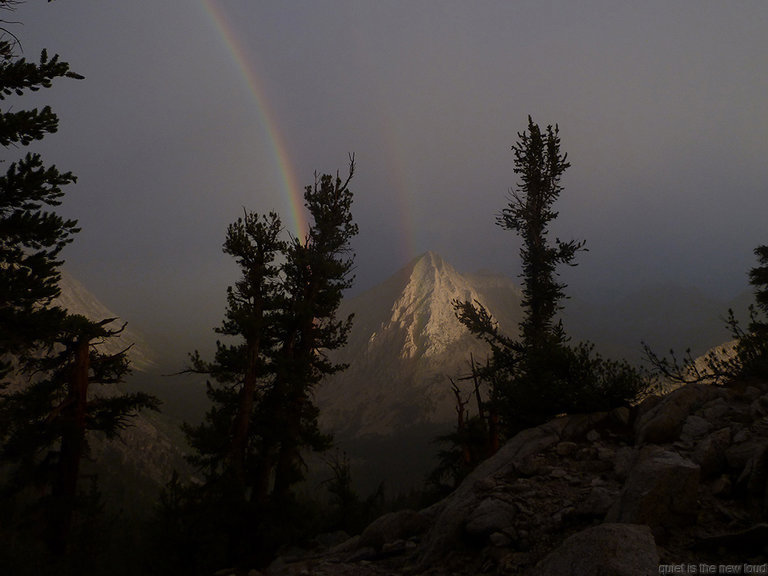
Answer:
(664, 316)
(406, 342)
(405, 346)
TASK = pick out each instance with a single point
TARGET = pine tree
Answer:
(283, 314)
(47, 421)
(317, 271)
(242, 367)
(281, 322)
(52, 356)
(540, 166)
(31, 233)
(541, 374)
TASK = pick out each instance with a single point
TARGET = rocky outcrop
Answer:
(661, 491)
(679, 479)
(664, 422)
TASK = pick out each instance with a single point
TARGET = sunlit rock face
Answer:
(406, 343)
(423, 316)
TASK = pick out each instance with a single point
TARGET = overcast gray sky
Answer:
(194, 109)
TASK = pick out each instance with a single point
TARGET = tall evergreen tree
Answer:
(283, 311)
(282, 319)
(242, 367)
(52, 356)
(31, 233)
(540, 165)
(317, 271)
(540, 374)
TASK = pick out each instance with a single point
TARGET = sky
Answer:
(193, 110)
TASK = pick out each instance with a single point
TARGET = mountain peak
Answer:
(424, 310)
(427, 260)
(429, 266)
(405, 343)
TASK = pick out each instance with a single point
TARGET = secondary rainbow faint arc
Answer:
(290, 184)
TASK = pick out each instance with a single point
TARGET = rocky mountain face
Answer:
(676, 481)
(404, 346)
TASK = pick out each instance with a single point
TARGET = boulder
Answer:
(597, 504)
(604, 550)
(753, 480)
(566, 448)
(451, 514)
(661, 490)
(744, 543)
(694, 428)
(664, 422)
(623, 461)
(579, 425)
(759, 407)
(391, 527)
(710, 453)
(739, 454)
(492, 515)
(715, 410)
(620, 417)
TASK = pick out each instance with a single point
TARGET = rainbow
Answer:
(291, 188)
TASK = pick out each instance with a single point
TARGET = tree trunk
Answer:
(288, 457)
(461, 423)
(239, 444)
(72, 445)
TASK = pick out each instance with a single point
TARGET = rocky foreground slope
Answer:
(677, 484)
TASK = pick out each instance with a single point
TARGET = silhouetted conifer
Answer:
(31, 233)
(317, 271)
(47, 420)
(282, 316)
(236, 437)
(540, 374)
(53, 357)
